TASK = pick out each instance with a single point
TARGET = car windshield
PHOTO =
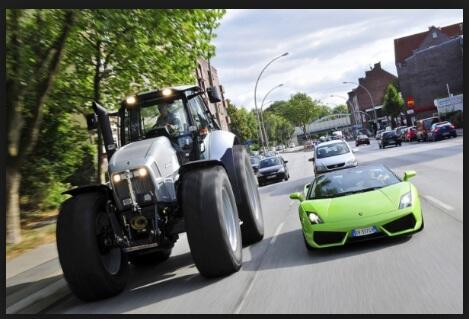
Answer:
(271, 161)
(389, 134)
(254, 161)
(332, 150)
(351, 181)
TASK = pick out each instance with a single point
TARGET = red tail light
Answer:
(437, 130)
(452, 126)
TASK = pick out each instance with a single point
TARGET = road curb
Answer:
(41, 299)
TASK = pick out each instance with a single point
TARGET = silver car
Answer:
(332, 155)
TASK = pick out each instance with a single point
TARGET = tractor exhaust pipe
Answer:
(105, 125)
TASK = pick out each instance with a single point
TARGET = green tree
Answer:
(302, 110)
(243, 123)
(278, 129)
(393, 103)
(340, 109)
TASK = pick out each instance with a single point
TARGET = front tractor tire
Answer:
(93, 269)
(247, 197)
(211, 220)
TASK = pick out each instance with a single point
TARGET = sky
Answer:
(325, 48)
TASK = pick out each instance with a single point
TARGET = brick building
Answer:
(376, 82)
(428, 65)
(205, 80)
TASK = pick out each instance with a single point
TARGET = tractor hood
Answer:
(348, 207)
(157, 154)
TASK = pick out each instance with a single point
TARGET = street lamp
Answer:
(371, 99)
(255, 92)
(266, 138)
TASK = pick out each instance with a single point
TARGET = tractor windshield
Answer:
(169, 115)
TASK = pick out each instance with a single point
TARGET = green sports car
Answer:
(358, 203)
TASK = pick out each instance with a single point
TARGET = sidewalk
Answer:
(34, 281)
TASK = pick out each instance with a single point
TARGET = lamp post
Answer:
(255, 93)
(371, 99)
(266, 138)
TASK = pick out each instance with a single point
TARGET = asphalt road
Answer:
(422, 274)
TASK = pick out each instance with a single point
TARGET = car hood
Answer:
(336, 159)
(270, 169)
(358, 205)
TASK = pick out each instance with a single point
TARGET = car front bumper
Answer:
(271, 177)
(391, 224)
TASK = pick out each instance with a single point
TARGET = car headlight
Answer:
(281, 170)
(406, 200)
(351, 162)
(313, 218)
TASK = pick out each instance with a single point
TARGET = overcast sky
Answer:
(326, 47)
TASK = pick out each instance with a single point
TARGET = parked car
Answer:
(291, 145)
(378, 134)
(424, 126)
(272, 169)
(362, 139)
(441, 130)
(410, 134)
(400, 130)
(389, 138)
(332, 155)
(280, 147)
(255, 163)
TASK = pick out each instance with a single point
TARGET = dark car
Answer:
(441, 130)
(378, 134)
(389, 138)
(400, 130)
(255, 163)
(362, 139)
(272, 169)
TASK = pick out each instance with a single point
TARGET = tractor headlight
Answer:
(131, 100)
(140, 172)
(313, 218)
(166, 92)
(116, 178)
(406, 200)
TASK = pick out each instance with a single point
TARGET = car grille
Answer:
(335, 166)
(400, 224)
(364, 238)
(328, 237)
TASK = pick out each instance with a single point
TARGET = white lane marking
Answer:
(251, 284)
(438, 202)
(279, 228)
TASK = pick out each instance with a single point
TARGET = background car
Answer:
(389, 138)
(272, 169)
(410, 134)
(333, 155)
(362, 139)
(400, 130)
(357, 204)
(255, 163)
(291, 145)
(378, 134)
(424, 126)
(441, 130)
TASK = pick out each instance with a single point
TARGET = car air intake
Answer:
(328, 237)
(400, 224)
(335, 166)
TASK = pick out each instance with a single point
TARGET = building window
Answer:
(434, 35)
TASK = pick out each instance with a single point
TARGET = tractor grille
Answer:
(403, 223)
(142, 185)
(328, 237)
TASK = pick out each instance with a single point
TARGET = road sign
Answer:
(410, 101)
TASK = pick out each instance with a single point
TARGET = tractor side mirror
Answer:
(298, 196)
(91, 121)
(408, 175)
(213, 94)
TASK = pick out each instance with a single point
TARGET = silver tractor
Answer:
(173, 171)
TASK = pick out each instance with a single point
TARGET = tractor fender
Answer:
(90, 189)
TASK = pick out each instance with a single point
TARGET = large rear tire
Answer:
(247, 198)
(92, 269)
(211, 220)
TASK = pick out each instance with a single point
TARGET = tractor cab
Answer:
(179, 113)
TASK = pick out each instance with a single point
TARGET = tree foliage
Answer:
(243, 123)
(302, 110)
(393, 103)
(340, 109)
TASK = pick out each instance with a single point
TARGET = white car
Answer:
(333, 155)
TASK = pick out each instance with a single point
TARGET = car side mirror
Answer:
(298, 196)
(311, 159)
(408, 175)
(285, 162)
(306, 188)
(213, 94)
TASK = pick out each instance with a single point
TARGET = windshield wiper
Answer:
(360, 191)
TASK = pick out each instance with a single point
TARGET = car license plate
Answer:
(271, 176)
(364, 231)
